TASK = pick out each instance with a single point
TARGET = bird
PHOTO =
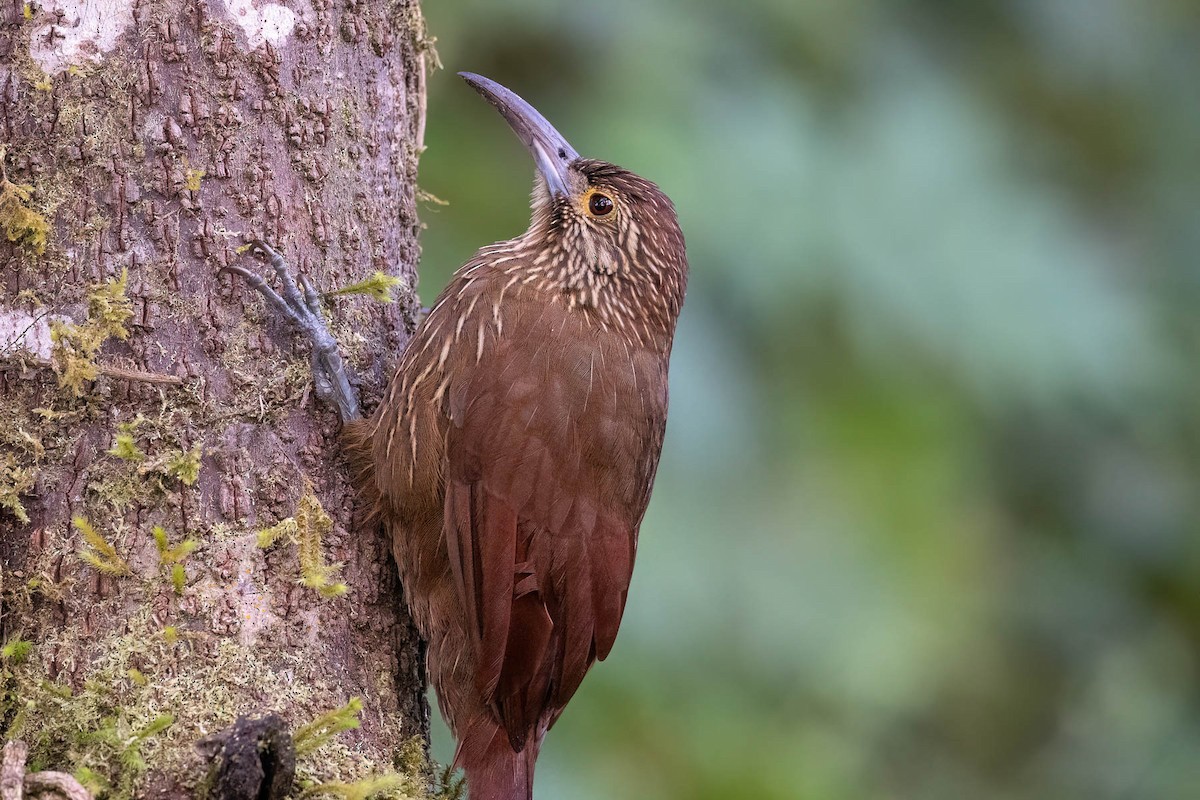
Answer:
(512, 457)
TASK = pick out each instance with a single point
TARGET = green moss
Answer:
(109, 308)
(178, 578)
(21, 225)
(379, 286)
(168, 554)
(16, 651)
(20, 454)
(363, 789)
(92, 732)
(267, 537)
(102, 555)
(307, 528)
(15, 480)
(76, 345)
(411, 759)
(185, 465)
(131, 746)
(126, 449)
(125, 445)
(450, 786)
(94, 782)
(409, 780)
(120, 491)
(143, 699)
(149, 470)
(316, 733)
(173, 556)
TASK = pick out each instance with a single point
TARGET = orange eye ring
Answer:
(600, 204)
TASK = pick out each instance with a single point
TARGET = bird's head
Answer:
(609, 235)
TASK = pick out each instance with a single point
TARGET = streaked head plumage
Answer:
(608, 235)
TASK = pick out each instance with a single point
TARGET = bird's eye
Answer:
(600, 204)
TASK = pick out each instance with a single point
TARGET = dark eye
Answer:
(600, 204)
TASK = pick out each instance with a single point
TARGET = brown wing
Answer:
(547, 478)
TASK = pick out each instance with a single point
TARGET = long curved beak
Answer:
(552, 153)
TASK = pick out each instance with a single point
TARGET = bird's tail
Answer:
(494, 770)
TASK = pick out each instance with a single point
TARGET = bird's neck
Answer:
(609, 290)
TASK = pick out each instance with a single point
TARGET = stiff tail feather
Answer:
(494, 771)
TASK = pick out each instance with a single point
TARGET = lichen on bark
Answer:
(151, 155)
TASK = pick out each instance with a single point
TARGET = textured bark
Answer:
(157, 135)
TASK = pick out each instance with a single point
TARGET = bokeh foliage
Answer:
(927, 522)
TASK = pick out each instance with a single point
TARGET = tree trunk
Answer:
(141, 388)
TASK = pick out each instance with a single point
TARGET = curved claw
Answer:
(311, 298)
(266, 291)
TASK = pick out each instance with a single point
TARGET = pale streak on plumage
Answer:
(497, 318)
(445, 352)
(508, 285)
(591, 379)
(440, 393)
(412, 439)
(425, 373)
(632, 237)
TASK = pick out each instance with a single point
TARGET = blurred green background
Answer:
(926, 524)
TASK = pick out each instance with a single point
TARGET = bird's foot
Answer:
(304, 311)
